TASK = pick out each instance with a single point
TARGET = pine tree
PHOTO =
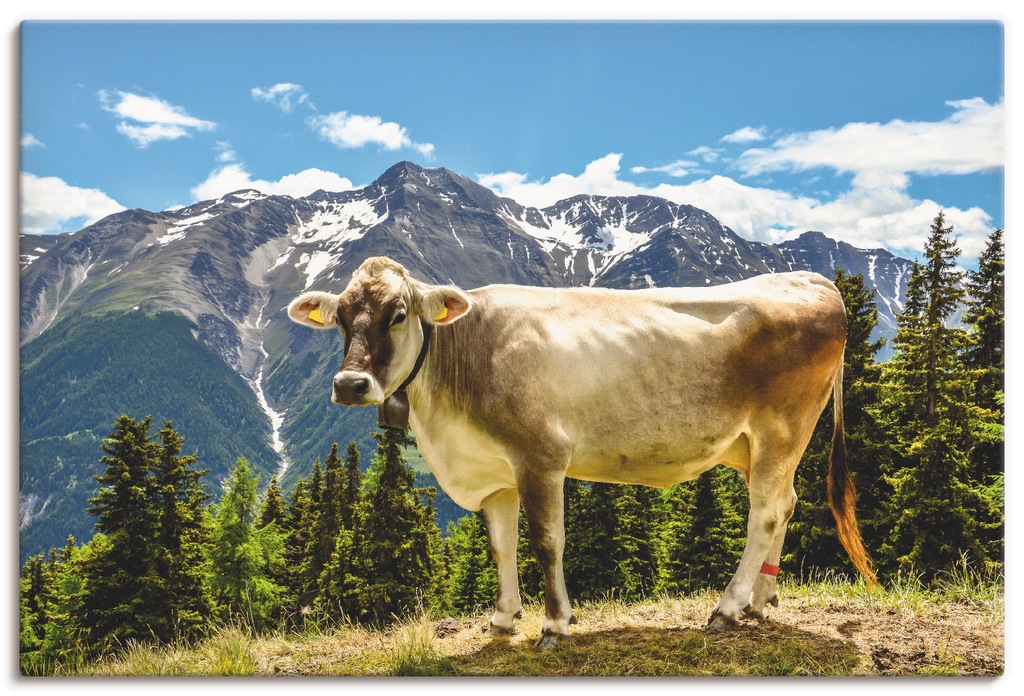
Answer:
(703, 535)
(984, 356)
(272, 509)
(274, 512)
(590, 542)
(472, 578)
(36, 587)
(181, 540)
(314, 555)
(296, 532)
(338, 595)
(122, 580)
(33, 589)
(316, 485)
(244, 558)
(433, 595)
(813, 541)
(392, 561)
(327, 521)
(66, 641)
(331, 541)
(936, 512)
(673, 564)
(986, 315)
(634, 544)
(717, 533)
(353, 483)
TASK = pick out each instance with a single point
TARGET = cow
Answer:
(510, 389)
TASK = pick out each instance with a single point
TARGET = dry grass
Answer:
(827, 627)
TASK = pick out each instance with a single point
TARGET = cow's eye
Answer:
(399, 318)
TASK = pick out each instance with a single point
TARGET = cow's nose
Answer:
(350, 388)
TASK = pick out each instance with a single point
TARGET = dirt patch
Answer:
(958, 640)
(670, 639)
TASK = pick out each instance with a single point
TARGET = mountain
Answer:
(181, 313)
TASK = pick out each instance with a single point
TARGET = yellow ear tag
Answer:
(315, 315)
(442, 314)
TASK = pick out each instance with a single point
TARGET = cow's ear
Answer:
(443, 304)
(315, 309)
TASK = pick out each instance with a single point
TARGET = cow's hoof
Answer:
(774, 601)
(759, 615)
(496, 630)
(549, 641)
(721, 622)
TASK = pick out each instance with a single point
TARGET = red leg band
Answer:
(769, 569)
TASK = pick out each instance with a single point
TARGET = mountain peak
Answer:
(400, 173)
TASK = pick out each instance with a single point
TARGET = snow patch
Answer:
(242, 198)
(899, 283)
(455, 235)
(282, 259)
(315, 263)
(276, 419)
(179, 229)
(339, 223)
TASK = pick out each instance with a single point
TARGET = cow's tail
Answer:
(842, 494)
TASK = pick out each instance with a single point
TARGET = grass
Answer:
(826, 627)
(231, 651)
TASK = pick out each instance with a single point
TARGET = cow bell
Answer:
(394, 412)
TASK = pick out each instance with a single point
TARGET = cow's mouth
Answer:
(356, 389)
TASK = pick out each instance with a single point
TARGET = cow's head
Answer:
(381, 315)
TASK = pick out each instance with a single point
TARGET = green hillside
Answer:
(85, 371)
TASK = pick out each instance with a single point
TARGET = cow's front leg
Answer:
(501, 513)
(542, 497)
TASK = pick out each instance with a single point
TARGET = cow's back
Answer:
(647, 386)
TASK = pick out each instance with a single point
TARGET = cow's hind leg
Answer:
(542, 499)
(771, 505)
(501, 513)
(765, 591)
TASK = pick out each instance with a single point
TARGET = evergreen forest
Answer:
(351, 543)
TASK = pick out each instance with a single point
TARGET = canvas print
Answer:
(511, 349)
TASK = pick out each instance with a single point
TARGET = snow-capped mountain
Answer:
(229, 267)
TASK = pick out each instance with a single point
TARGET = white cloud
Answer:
(234, 177)
(30, 141)
(865, 217)
(708, 154)
(148, 119)
(882, 154)
(48, 202)
(677, 168)
(225, 153)
(745, 135)
(353, 130)
(144, 135)
(599, 178)
(284, 95)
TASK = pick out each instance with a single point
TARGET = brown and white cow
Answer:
(511, 389)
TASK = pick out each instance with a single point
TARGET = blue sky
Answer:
(861, 130)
